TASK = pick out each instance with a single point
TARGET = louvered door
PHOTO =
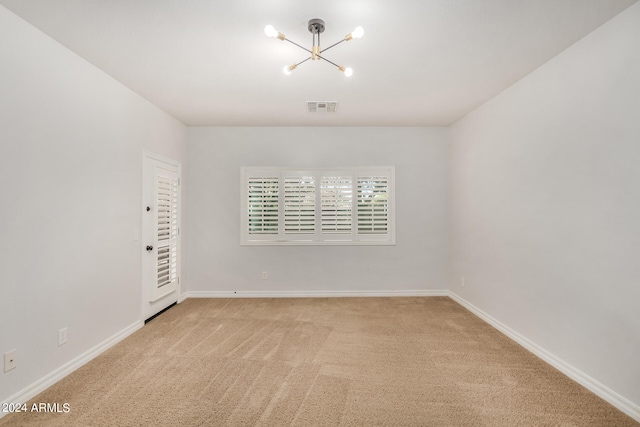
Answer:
(160, 234)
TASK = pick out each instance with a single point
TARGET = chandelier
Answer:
(316, 27)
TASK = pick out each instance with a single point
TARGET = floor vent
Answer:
(322, 106)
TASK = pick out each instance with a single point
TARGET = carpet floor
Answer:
(405, 361)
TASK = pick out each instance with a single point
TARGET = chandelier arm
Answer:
(302, 62)
(332, 63)
(335, 44)
(301, 47)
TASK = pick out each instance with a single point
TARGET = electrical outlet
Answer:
(462, 281)
(264, 275)
(62, 336)
(10, 360)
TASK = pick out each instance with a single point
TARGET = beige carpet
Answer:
(320, 361)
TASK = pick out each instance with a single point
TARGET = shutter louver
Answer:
(373, 205)
(167, 239)
(263, 205)
(336, 195)
(299, 205)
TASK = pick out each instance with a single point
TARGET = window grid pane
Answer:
(299, 205)
(336, 204)
(263, 205)
(373, 205)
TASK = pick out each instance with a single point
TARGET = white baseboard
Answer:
(314, 294)
(604, 392)
(47, 381)
(183, 297)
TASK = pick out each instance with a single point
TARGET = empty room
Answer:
(274, 213)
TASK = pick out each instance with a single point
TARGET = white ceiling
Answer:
(420, 62)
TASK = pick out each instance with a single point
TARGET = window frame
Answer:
(333, 179)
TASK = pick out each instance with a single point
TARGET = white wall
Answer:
(217, 262)
(71, 142)
(545, 206)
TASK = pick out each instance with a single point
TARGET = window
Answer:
(283, 206)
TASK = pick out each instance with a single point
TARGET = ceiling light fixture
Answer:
(316, 27)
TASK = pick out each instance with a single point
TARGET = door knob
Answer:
(149, 248)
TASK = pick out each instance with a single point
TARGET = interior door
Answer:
(160, 234)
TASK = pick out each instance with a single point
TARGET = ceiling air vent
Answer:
(322, 106)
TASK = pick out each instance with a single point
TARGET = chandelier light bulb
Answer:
(358, 33)
(346, 70)
(288, 69)
(270, 31)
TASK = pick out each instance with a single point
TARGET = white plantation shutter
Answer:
(373, 205)
(318, 206)
(336, 204)
(299, 205)
(263, 195)
(167, 229)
